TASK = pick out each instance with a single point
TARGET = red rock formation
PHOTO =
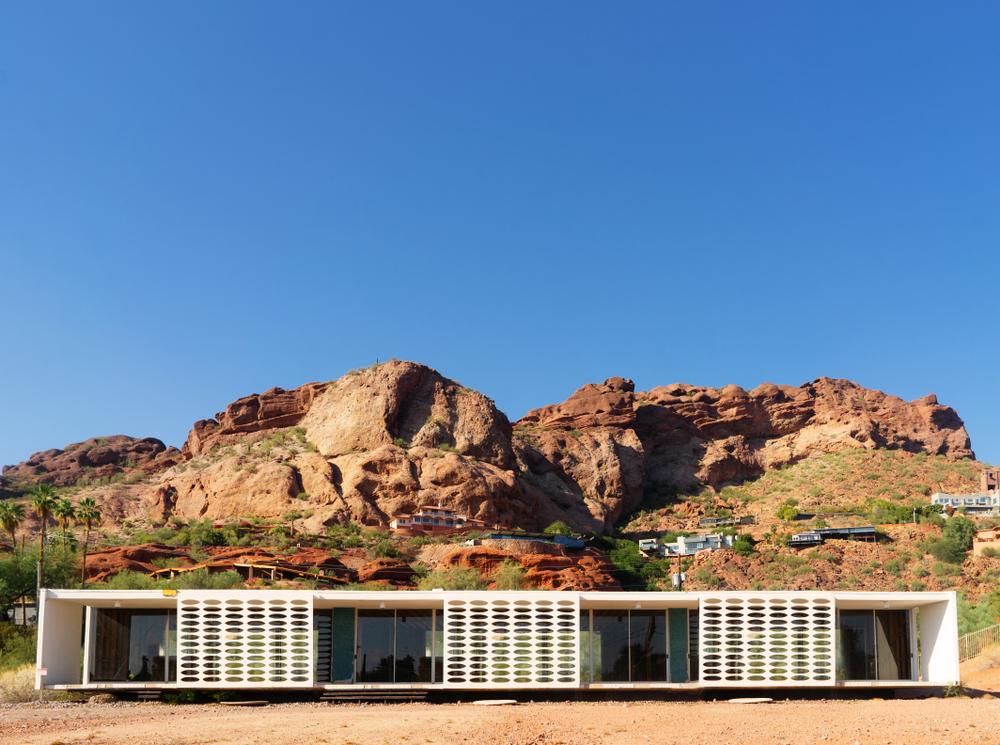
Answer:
(96, 457)
(558, 570)
(106, 563)
(692, 435)
(392, 571)
(273, 409)
(393, 438)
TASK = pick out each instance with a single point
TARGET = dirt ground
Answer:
(912, 722)
(933, 721)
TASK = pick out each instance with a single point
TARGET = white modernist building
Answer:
(336, 640)
(982, 503)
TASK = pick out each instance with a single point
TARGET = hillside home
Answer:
(313, 640)
(686, 545)
(865, 533)
(989, 481)
(985, 539)
(433, 520)
(983, 504)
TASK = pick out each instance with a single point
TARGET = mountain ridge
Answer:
(388, 439)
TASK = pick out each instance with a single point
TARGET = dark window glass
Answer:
(856, 647)
(375, 644)
(322, 645)
(585, 646)
(611, 640)
(439, 647)
(133, 646)
(649, 645)
(413, 646)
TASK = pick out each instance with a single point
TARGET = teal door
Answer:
(342, 646)
(678, 645)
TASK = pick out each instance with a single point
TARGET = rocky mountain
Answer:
(94, 459)
(388, 439)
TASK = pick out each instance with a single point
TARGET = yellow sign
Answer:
(170, 593)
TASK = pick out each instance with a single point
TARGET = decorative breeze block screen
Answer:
(229, 640)
(764, 640)
(519, 640)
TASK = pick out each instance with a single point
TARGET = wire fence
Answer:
(974, 644)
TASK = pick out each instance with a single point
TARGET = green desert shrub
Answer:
(948, 550)
(454, 578)
(509, 576)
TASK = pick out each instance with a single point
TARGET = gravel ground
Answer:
(914, 722)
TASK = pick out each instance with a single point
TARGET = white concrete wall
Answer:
(60, 630)
(939, 642)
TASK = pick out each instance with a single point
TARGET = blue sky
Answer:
(199, 201)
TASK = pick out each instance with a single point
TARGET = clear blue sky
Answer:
(199, 201)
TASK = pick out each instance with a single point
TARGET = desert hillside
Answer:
(611, 461)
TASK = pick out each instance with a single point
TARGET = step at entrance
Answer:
(384, 696)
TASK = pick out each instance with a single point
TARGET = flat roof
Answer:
(435, 598)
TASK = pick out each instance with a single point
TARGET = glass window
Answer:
(439, 646)
(856, 645)
(413, 646)
(611, 641)
(134, 645)
(649, 645)
(585, 646)
(375, 646)
(399, 646)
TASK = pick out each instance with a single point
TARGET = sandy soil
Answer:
(913, 722)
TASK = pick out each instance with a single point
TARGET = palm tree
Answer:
(65, 513)
(88, 514)
(11, 517)
(43, 501)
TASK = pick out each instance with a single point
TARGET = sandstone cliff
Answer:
(385, 440)
(689, 436)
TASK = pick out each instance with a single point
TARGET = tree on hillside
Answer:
(11, 517)
(88, 514)
(43, 501)
(788, 512)
(559, 528)
(960, 529)
(65, 513)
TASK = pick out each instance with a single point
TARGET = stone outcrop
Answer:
(690, 435)
(94, 458)
(225, 490)
(273, 409)
(389, 571)
(395, 437)
(555, 569)
(106, 563)
(403, 401)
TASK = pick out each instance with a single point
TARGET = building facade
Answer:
(686, 545)
(434, 520)
(328, 640)
(989, 481)
(986, 503)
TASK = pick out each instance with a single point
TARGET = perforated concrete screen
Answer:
(515, 640)
(766, 640)
(234, 639)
